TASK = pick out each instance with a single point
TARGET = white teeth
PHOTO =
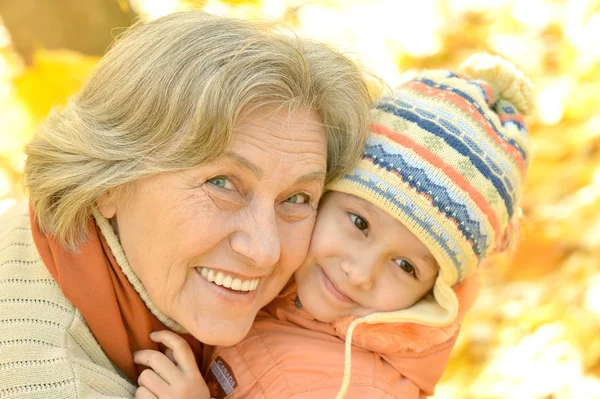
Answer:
(227, 281)
(236, 285)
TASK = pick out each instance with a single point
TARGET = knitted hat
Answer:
(447, 157)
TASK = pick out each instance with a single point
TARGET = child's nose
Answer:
(360, 271)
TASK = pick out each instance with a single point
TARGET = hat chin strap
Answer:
(426, 312)
(348, 358)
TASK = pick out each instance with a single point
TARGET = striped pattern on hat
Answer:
(447, 158)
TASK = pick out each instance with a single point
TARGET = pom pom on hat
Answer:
(512, 84)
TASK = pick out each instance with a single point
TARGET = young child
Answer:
(376, 307)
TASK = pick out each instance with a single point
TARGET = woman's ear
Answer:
(107, 203)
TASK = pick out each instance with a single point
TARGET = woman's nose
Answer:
(360, 270)
(256, 239)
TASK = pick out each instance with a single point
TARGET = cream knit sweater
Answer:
(46, 348)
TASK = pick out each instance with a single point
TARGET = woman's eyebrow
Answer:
(246, 163)
(316, 175)
(258, 172)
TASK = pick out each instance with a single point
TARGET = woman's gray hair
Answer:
(167, 96)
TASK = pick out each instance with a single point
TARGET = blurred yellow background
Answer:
(535, 331)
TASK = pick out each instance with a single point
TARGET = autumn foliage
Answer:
(535, 331)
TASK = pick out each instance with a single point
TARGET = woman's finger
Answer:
(144, 393)
(182, 353)
(162, 366)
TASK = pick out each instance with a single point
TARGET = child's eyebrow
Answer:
(370, 209)
(431, 262)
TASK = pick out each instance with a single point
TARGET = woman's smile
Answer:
(227, 280)
(239, 299)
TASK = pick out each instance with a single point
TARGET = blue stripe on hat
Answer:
(520, 127)
(459, 146)
(416, 103)
(418, 179)
(476, 148)
(437, 179)
(431, 83)
(506, 108)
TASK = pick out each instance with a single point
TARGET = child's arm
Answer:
(171, 375)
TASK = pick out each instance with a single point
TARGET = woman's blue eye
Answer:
(359, 222)
(221, 182)
(405, 266)
(299, 198)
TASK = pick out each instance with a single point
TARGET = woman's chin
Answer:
(222, 332)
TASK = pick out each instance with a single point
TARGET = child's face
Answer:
(361, 261)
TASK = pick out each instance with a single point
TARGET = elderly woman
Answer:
(177, 190)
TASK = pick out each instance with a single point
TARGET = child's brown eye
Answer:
(359, 222)
(405, 266)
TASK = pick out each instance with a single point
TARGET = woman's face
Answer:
(243, 221)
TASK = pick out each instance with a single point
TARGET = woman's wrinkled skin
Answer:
(248, 215)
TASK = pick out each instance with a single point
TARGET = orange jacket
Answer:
(289, 354)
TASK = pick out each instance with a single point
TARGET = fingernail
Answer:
(153, 335)
(134, 353)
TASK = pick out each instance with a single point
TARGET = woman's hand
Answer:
(174, 374)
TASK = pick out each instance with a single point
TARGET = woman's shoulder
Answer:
(15, 218)
(45, 343)
(18, 254)
(29, 297)
(34, 314)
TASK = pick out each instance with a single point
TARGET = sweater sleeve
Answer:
(46, 348)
